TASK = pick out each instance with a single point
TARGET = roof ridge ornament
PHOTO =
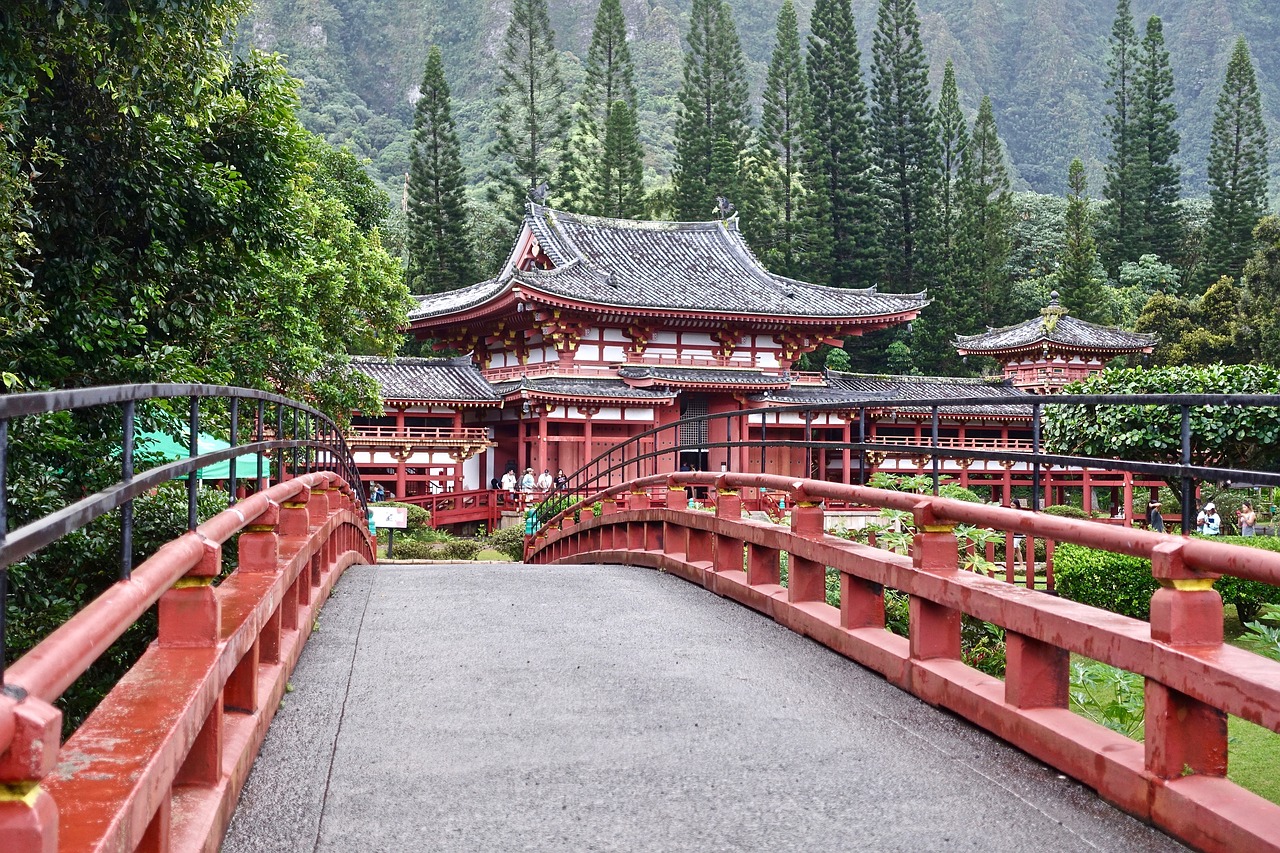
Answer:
(538, 194)
(724, 208)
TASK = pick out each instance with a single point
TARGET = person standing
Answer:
(1209, 521)
(562, 480)
(509, 483)
(544, 480)
(1155, 521)
(1248, 519)
(527, 482)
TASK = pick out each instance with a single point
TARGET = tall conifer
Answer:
(439, 252)
(843, 207)
(1079, 273)
(784, 122)
(620, 181)
(985, 221)
(532, 118)
(906, 146)
(609, 77)
(1237, 168)
(953, 137)
(1160, 181)
(713, 109)
(1122, 188)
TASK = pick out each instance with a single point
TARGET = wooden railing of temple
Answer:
(1175, 778)
(390, 436)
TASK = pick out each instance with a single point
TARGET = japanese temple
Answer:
(599, 329)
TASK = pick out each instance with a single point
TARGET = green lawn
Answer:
(1253, 758)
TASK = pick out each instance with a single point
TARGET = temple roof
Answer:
(664, 267)
(579, 387)
(445, 380)
(645, 375)
(857, 388)
(1056, 327)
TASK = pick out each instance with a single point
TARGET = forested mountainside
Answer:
(1042, 63)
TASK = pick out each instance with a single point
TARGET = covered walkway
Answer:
(512, 707)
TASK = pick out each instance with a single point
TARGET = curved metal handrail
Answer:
(306, 430)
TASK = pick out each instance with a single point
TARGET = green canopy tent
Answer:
(171, 449)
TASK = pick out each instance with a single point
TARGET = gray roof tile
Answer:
(674, 266)
(702, 376)
(448, 380)
(1055, 326)
(896, 392)
(573, 386)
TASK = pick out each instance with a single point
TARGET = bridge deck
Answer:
(506, 707)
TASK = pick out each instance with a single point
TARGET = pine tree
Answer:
(842, 212)
(1079, 273)
(1124, 179)
(906, 146)
(713, 108)
(985, 224)
(1156, 145)
(784, 122)
(609, 77)
(974, 291)
(621, 177)
(953, 137)
(531, 117)
(1237, 168)
(439, 254)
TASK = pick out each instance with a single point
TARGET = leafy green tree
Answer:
(1157, 145)
(532, 119)
(439, 251)
(1237, 168)
(784, 123)
(906, 146)
(953, 136)
(1080, 277)
(713, 110)
(1198, 330)
(621, 179)
(1236, 436)
(1122, 188)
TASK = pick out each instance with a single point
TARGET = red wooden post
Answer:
(190, 614)
(241, 693)
(28, 814)
(1183, 735)
(259, 546)
(762, 565)
(677, 497)
(728, 503)
(806, 579)
(861, 602)
(156, 837)
(1037, 674)
(294, 518)
(934, 628)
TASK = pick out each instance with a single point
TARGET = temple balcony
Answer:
(412, 438)
(548, 368)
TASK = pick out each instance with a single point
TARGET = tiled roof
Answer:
(452, 380)
(1055, 326)
(899, 391)
(573, 386)
(702, 376)
(675, 266)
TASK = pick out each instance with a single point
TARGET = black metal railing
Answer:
(312, 439)
(665, 440)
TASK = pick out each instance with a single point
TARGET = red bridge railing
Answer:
(1175, 778)
(160, 763)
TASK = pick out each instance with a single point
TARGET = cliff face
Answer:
(1042, 63)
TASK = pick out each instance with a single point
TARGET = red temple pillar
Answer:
(522, 452)
(542, 442)
(846, 462)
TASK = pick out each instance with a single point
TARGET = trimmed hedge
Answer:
(411, 549)
(508, 541)
(1065, 511)
(458, 549)
(1124, 584)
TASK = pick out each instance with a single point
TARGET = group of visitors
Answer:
(1209, 522)
(377, 494)
(528, 484)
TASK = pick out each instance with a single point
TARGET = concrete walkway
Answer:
(509, 707)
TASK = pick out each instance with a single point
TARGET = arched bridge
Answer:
(574, 702)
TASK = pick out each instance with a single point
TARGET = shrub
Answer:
(1124, 584)
(412, 549)
(1065, 511)
(508, 541)
(1115, 582)
(459, 549)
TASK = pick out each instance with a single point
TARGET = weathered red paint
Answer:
(160, 763)
(1175, 778)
